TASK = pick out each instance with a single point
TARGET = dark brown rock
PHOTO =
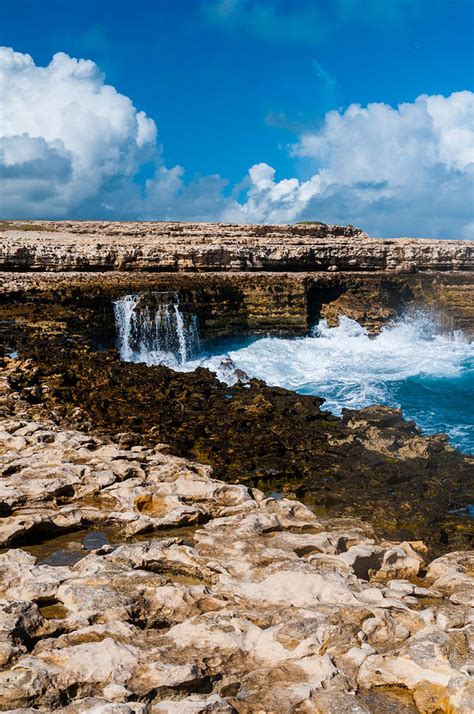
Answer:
(370, 463)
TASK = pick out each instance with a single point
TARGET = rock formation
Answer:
(238, 279)
(258, 605)
(88, 245)
(153, 555)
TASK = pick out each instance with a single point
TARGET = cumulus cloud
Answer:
(404, 170)
(169, 197)
(66, 137)
(72, 146)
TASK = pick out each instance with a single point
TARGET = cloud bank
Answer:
(72, 146)
(408, 170)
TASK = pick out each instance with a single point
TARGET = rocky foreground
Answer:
(134, 580)
(371, 463)
(258, 606)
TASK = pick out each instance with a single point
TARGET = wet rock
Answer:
(370, 463)
(262, 605)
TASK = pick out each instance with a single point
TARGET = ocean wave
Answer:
(412, 364)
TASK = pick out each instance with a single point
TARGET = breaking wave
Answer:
(411, 365)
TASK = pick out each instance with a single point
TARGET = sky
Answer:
(343, 111)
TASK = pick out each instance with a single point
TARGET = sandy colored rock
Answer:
(259, 606)
(89, 245)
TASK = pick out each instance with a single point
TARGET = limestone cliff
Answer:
(93, 246)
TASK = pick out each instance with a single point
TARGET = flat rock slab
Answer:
(258, 606)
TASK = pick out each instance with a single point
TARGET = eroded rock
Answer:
(259, 606)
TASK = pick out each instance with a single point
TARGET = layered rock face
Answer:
(85, 246)
(258, 605)
(228, 304)
(224, 304)
(237, 279)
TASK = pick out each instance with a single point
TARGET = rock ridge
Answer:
(101, 246)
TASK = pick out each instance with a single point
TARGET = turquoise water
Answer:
(411, 365)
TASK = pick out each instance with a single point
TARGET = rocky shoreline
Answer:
(370, 463)
(259, 606)
(169, 543)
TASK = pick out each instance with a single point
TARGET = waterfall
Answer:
(124, 311)
(151, 328)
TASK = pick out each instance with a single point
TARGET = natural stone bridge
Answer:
(237, 279)
(91, 245)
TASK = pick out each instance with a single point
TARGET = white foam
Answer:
(344, 364)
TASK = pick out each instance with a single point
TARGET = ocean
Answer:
(412, 365)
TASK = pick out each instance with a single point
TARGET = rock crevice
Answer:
(261, 606)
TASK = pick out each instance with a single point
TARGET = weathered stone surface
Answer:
(238, 303)
(260, 606)
(134, 581)
(88, 245)
(370, 463)
(452, 575)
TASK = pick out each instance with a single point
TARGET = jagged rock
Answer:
(428, 665)
(261, 606)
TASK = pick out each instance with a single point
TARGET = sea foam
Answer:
(412, 364)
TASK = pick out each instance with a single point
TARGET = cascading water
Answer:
(151, 328)
(411, 364)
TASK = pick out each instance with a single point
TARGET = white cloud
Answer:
(72, 146)
(169, 197)
(408, 170)
(66, 137)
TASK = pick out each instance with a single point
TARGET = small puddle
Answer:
(69, 548)
(52, 609)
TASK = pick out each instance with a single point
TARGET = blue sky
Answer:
(232, 84)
